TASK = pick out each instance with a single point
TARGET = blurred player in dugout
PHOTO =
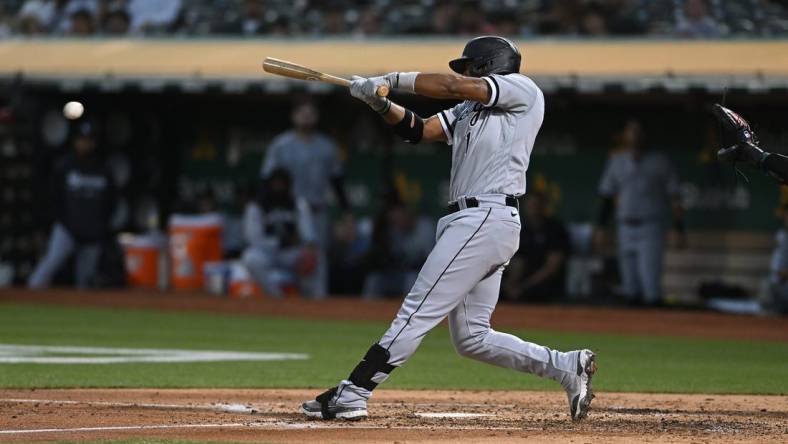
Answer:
(312, 161)
(537, 272)
(643, 187)
(280, 234)
(778, 275)
(82, 199)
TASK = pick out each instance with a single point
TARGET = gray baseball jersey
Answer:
(492, 141)
(643, 187)
(311, 164)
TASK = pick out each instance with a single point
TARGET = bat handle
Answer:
(382, 91)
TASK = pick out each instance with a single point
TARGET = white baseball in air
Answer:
(73, 110)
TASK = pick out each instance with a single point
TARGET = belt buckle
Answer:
(462, 203)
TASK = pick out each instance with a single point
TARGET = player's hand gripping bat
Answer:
(295, 71)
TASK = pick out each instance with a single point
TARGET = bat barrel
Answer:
(296, 71)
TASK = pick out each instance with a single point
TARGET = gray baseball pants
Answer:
(641, 252)
(61, 246)
(461, 279)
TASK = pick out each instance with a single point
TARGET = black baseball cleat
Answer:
(325, 406)
(579, 392)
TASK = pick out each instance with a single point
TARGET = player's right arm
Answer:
(271, 160)
(432, 131)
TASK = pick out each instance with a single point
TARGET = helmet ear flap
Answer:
(478, 68)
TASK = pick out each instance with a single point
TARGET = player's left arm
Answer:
(452, 86)
(506, 92)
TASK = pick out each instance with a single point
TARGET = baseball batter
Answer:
(492, 133)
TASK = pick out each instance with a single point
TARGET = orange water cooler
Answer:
(194, 241)
(144, 253)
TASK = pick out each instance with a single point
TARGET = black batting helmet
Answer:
(488, 54)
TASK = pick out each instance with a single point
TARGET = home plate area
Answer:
(404, 416)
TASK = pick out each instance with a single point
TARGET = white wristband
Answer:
(406, 81)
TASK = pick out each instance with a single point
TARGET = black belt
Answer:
(472, 202)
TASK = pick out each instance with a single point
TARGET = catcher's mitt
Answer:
(739, 142)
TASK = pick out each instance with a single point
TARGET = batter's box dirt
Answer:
(396, 416)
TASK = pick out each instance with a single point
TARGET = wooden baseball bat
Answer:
(296, 71)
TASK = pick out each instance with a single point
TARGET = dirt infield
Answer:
(670, 322)
(396, 416)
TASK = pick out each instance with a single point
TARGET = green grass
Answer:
(627, 363)
(149, 441)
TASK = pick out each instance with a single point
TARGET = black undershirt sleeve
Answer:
(776, 165)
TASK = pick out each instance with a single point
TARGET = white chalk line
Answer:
(453, 415)
(274, 424)
(36, 354)
(117, 428)
(278, 425)
(228, 408)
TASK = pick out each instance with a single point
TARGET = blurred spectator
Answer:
(537, 272)
(76, 17)
(153, 15)
(696, 22)
(626, 17)
(279, 27)
(368, 22)
(643, 186)
(593, 21)
(401, 241)
(250, 22)
(83, 198)
(117, 22)
(503, 23)
(281, 237)
(470, 19)
(333, 20)
(312, 160)
(444, 18)
(6, 18)
(778, 277)
(560, 17)
(36, 16)
(81, 23)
